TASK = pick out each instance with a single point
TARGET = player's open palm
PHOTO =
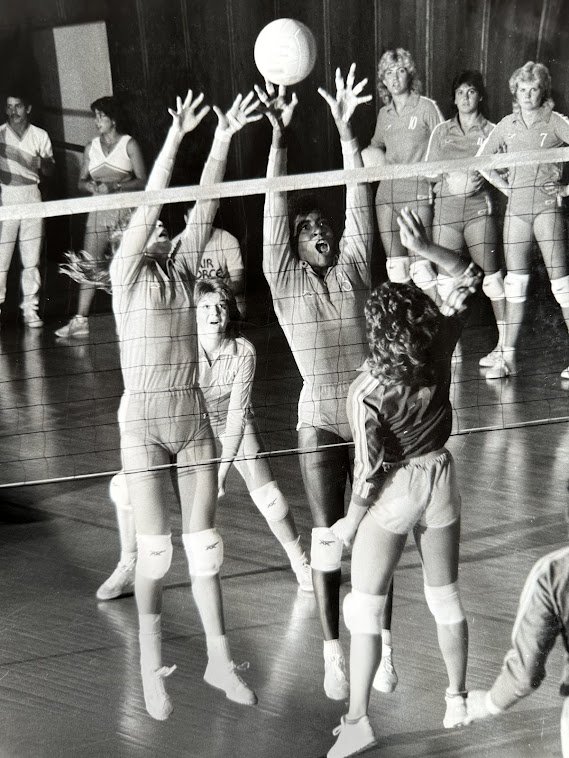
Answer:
(277, 108)
(186, 116)
(242, 112)
(348, 95)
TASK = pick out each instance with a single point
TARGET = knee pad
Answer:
(363, 612)
(204, 551)
(560, 289)
(444, 603)
(270, 502)
(398, 269)
(154, 555)
(423, 274)
(326, 550)
(445, 285)
(493, 286)
(516, 287)
(118, 491)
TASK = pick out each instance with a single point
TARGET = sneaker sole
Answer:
(361, 750)
(252, 701)
(104, 596)
(385, 690)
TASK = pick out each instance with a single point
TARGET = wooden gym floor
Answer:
(69, 682)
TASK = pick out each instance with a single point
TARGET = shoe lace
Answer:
(337, 729)
(165, 671)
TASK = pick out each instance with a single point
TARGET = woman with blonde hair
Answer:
(533, 212)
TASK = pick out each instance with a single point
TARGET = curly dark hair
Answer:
(473, 79)
(218, 287)
(401, 324)
(112, 109)
(300, 204)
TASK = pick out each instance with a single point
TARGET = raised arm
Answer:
(276, 233)
(200, 220)
(185, 118)
(358, 227)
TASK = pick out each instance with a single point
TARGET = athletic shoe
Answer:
(156, 699)
(352, 738)
(386, 678)
(501, 369)
(336, 684)
(565, 373)
(491, 359)
(77, 327)
(225, 677)
(31, 318)
(303, 574)
(120, 582)
(456, 712)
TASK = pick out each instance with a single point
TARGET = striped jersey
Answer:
(19, 164)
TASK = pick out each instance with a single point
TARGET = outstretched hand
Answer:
(185, 117)
(275, 105)
(412, 232)
(242, 112)
(347, 95)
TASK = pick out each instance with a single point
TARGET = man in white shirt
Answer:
(26, 156)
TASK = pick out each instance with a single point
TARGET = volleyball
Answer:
(285, 51)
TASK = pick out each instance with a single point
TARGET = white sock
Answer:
(218, 649)
(150, 637)
(332, 648)
(294, 551)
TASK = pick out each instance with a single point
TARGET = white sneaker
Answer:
(120, 582)
(225, 677)
(352, 738)
(336, 685)
(31, 318)
(565, 373)
(456, 712)
(303, 574)
(492, 358)
(386, 678)
(77, 327)
(502, 368)
(156, 699)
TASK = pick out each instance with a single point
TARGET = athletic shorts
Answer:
(414, 193)
(324, 406)
(459, 210)
(529, 202)
(154, 423)
(218, 422)
(420, 491)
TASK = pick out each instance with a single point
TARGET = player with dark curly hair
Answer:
(404, 477)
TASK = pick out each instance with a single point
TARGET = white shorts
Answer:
(324, 406)
(420, 491)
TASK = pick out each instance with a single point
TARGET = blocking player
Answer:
(533, 209)
(26, 157)
(162, 415)
(404, 126)
(404, 477)
(319, 286)
(464, 212)
(543, 616)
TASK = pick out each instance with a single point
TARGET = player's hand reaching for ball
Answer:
(412, 232)
(186, 116)
(277, 109)
(242, 112)
(347, 96)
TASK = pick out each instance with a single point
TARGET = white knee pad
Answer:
(118, 491)
(270, 501)
(154, 555)
(445, 285)
(516, 287)
(363, 612)
(326, 550)
(398, 269)
(493, 286)
(204, 551)
(560, 289)
(423, 274)
(444, 603)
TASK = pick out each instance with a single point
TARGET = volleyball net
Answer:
(59, 398)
